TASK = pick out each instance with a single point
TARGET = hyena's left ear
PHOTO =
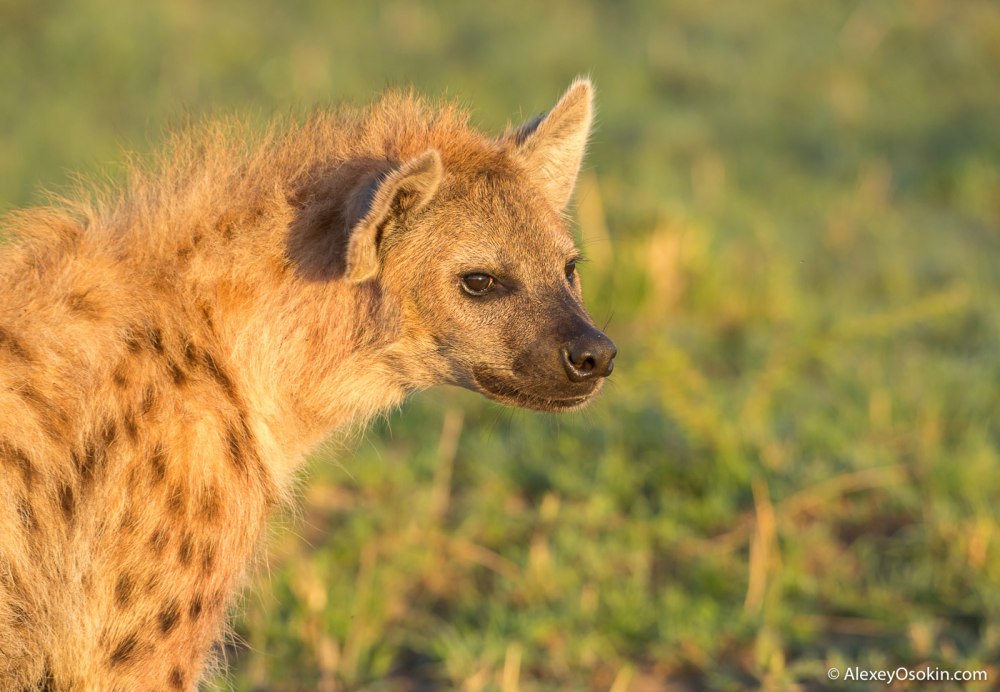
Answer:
(381, 205)
(553, 144)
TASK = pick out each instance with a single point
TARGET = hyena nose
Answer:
(589, 356)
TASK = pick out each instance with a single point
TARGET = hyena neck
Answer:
(311, 360)
(313, 352)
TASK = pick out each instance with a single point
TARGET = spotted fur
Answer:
(170, 351)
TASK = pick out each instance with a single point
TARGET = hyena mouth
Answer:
(500, 390)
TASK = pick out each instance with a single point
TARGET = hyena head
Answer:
(479, 258)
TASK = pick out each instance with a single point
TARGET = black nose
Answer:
(588, 356)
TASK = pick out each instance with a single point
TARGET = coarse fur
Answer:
(170, 352)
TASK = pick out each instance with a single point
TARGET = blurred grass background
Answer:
(792, 212)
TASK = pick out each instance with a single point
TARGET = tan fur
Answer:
(170, 352)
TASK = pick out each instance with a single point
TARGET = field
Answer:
(791, 213)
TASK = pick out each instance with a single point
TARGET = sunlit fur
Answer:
(170, 351)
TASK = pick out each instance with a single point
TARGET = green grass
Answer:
(792, 212)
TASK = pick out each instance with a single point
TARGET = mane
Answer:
(226, 172)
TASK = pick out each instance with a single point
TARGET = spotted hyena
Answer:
(169, 352)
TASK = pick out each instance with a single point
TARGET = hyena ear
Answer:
(553, 144)
(404, 190)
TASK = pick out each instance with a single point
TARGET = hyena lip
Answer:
(506, 393)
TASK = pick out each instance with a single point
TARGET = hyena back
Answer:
(170, 352)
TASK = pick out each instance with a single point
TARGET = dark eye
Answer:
(570, 270)
(477, 284)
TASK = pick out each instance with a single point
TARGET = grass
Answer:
(792, 214)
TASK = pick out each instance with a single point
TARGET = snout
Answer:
(590, 355)
(537, 381)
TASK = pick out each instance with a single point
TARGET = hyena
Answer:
(171, 350)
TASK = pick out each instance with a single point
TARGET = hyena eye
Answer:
(477, 284)
(570, 270)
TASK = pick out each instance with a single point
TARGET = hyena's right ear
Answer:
(404, 190)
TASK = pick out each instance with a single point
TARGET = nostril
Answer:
(589, 357)
(580, 364)
(573, 365)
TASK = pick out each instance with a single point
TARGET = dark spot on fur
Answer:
(19, 460)
(124, 588)
(54, 421)
(155, 338)
(47, 683)
(208, 558)
(176, 678)
(194, 611)
(176, 373)
(67, 500)
(242, 452)
(227, 231)
(132, 341)
(90, 463)
(125, 650)
(206, 315)
(219, 375)
(210, 505)
(19, 613)
(109, 432)
(131, 429)
(13, 345)
(27, 514)
(235, 449)
(31, 395)
(185, 550)
(119, 376)
(128, 522)
(158, 462)
(158, 541)
(168, 617)
(11, 579)
(148, 400)
(190, 354)
(81, 304)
